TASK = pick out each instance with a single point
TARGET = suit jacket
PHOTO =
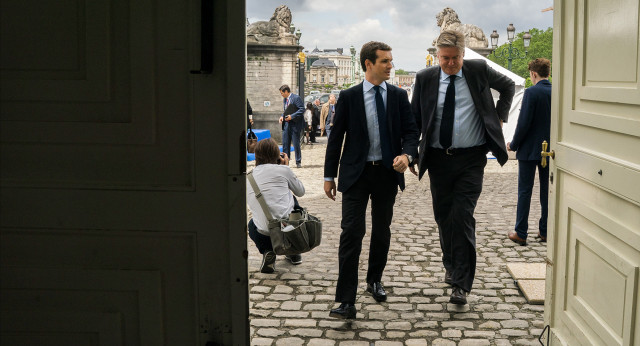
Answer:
(534, 122)
(325, 115)
(350, 119)
(481, 79)
(297, 118)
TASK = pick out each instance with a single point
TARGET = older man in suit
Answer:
(293, 124)
(381, 141)
(459, 123)
(534, 124)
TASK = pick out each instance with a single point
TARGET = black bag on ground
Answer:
(297, 234)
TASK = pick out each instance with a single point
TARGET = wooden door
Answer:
(592, 294)
(123, 218)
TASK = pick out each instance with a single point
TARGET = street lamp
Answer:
(510, 52)
(298, 35)
(353, 64)
(301, 58)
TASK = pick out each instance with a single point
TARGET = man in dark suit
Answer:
(533, 128)
(380, 143)
(459, 123)
(293, 124)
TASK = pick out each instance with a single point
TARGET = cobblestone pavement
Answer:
(291, 306)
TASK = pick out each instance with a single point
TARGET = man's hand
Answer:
(288, 118)
(501, 123)
(414, 169)
(330, 189)
(400, 163)
(280, 120)
(509, 146)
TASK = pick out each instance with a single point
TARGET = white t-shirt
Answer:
(308, 116)
(276, 182)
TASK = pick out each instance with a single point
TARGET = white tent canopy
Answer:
(509, 127)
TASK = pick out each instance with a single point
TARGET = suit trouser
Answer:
(526, 177)
(456, 184)
(379, 183)
(291, 136)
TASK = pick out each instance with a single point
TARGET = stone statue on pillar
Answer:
(474, 36)
(274, 31)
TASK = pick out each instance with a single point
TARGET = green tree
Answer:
(541, 47)
(401, 72)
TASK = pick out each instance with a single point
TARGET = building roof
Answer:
(322, 62)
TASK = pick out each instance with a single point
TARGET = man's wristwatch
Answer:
(409, 157)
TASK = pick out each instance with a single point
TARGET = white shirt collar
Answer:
(444, 76)
(366, 86)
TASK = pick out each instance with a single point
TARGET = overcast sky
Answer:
(408, 26)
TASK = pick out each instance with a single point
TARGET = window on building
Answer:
(322, 79)
(331, 79)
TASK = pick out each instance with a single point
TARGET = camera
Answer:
(281, 159)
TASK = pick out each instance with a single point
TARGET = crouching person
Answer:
(278, 185)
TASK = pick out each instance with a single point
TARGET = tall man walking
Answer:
(459, 123)
(381, 141)
(534, 124)
(293, 123)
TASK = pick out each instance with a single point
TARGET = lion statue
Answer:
(474, 36)
(278, 25)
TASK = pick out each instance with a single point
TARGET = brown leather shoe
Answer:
(542, 237)
(516, 239)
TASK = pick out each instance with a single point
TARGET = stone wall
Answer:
(268, 67)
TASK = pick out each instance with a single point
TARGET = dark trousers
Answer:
(526, 177)
(456, 184)
(291, 136)
(379, 184)
(263, 242)
(312, 134)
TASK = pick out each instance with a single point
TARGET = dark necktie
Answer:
(385, 139)
(446, 126)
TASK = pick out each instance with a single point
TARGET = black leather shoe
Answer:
(458, 296)
(377, 291)
(346, 311)
(447, 278)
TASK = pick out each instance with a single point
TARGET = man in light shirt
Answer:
(380, 137)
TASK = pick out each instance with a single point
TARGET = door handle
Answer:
(546, 153)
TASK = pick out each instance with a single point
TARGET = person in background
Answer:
(328, 113)
(278, 185)
(308, 119)
(293, 124)
(315, 120)
(534, 124)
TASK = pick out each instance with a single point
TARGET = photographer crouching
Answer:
(278, 184)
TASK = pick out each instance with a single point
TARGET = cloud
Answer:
(409, 26)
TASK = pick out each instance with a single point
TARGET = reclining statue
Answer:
(474, 36)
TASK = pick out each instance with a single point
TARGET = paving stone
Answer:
(290, 341)
(389, 343)
(370, 335)
(399, 325)
(339, 335)
(513, 332)
(451, 333)
(443, 342)
(396, 335)
(261, 341)
(272, 332)
(300, 323)
(321, 342)
(457, 324)
(473, 342)
(291, 305)
(259, 322)
(490, 325)
(291, 314)
(514, 324)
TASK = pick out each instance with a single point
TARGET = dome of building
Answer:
(323, 63)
